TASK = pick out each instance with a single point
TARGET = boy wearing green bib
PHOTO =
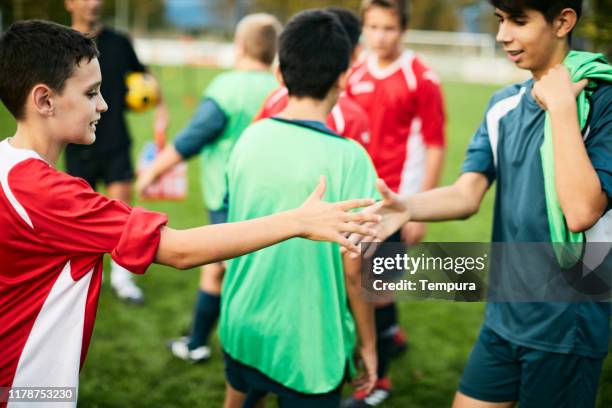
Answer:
(227, 108)
(285, 327)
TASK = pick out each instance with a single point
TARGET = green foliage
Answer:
(597, 26)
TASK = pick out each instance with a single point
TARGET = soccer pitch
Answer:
(128, 363)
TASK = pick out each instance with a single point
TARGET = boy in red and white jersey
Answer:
(405, 108)
(55, 230)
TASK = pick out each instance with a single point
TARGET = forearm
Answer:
(578, 187)
(198, 246)
(458, 201)
(164, 161)
(434, 163)
(363, 312)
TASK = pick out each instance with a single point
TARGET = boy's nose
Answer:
(503, 34)
(102, 106)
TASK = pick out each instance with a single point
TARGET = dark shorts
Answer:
(257, 385)
(500, 371)
(111, 167)
(217, 216)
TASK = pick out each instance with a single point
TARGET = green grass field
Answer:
(128, 364)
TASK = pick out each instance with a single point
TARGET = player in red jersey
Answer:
(405, 108)
(55, 230)
(347, 118)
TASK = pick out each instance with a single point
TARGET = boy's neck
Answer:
(86, 28)
(250, 64)
(557, 58)
(308, 108)
(385, 61)
(30, 138)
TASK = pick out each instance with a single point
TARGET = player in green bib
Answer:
(285, 327)
(228, 106)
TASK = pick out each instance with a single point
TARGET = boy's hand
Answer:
(144, 180)
(366, 381)
(394, 214)
(556, 88)
(322, 221)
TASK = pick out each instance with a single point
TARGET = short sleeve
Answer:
(73, 219)
(431, 110)
(598, 140)
(479, 156)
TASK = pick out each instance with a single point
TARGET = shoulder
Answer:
(600, 115)
(228, 76)
(223, 82)
(357, 151)
(115, 35)
(40, 190)
(514, 91)
(423, 72)
(601, 98)
(353, 113)
(261, 127)
(45, 182)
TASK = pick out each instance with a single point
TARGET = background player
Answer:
(109, 159)
(405, 108)
(227, 108)
(285, 322)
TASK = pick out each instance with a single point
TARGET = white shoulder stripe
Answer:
(408, 71)
(338, 118)
(496, 113)
(277, 96)
(9, 158)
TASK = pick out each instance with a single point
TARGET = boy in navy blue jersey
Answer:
(553, 167)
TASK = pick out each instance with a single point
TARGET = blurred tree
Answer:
(597, 26)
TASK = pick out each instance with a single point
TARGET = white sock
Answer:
(119, 275)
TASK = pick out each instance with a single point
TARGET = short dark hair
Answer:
(350, 22)
(314, 51)
(34, 52)
(399, 6)
(549, 8)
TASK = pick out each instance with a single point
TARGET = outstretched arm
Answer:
(315, 219)
(458, 201)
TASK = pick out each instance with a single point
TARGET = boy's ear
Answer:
(565, 22)
(278, 75)
(42, 97)
(239, 47)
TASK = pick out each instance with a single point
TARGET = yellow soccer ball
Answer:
(142, 91)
